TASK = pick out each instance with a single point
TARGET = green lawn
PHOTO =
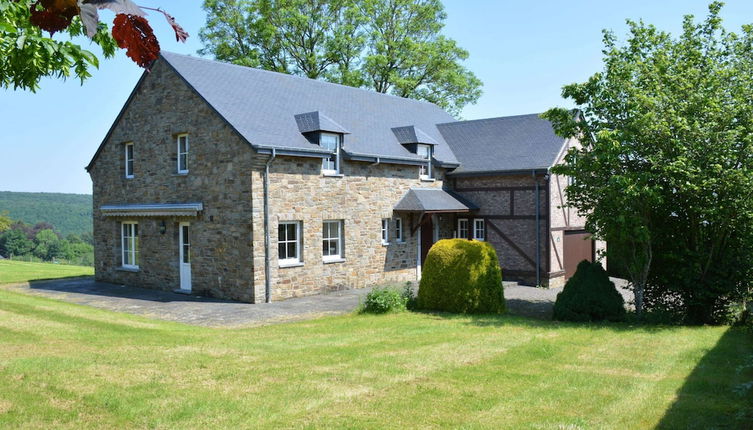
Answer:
(71, 366)
(21, 271)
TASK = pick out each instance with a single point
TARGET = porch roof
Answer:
(433, 200)
(152, 210)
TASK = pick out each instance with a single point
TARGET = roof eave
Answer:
(509, 172)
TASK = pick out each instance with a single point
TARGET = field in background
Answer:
(22, 271)
(70, 366)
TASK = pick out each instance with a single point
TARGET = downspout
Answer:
(377, 162)
(538, 230)
(267, 280)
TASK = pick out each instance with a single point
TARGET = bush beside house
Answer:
(589, 296)
(462, 276)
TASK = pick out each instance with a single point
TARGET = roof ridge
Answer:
(489, 119)
(288, 75)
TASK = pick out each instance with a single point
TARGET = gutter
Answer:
(538, 229)
(267, 280)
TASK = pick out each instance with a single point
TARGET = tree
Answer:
(5, 221)
(390, 46)
(47, 244)
(26, 55)
(15, 242)
(666, 169)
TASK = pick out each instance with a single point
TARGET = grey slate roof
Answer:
(513, 143)
(433, 199)
(412, 134)
(262, 105)
(317, 121)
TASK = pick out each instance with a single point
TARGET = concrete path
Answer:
(203, 311)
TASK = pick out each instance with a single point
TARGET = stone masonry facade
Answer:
(226, 176)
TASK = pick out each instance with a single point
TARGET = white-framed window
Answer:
(130, 244)
(399, 229)
(479, 232)
(385, 231)
(289, 242)
(182, 153)
(425, 170)
(129, 160)
(463, 228)
(330, 164)
(332, 240)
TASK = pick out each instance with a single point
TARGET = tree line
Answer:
(43, 241)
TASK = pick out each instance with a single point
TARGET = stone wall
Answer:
(219, 177)
(364, 195)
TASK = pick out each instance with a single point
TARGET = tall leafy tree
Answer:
(390, 46)
(666, 169)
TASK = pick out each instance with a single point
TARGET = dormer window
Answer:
(330, 164)
(425, 171)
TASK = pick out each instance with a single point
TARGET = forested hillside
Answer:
(69, 213)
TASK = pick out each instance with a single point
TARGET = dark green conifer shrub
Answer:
(589, 296)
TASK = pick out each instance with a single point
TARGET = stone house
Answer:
(251, 185)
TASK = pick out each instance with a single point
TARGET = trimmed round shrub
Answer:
(383, 300)
(589, 296)
(462, 276)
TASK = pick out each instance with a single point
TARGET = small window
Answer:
(385, 231)
(130, 244)
(463, 228)
(399, 229)
(332, 246)
(478, 229)
(330, 164)
(129, 160)
(289, 242)
(425, 170)
(183, 153)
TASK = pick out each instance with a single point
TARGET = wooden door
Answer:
(578, 246)
(427, 237)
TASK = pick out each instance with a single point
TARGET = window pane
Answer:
(281, 251)
(281, 236)
(186, 253)
(292, 250)
(291, 232)
(183, 165)
(328, 141)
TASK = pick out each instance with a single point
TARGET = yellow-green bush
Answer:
(462, 275)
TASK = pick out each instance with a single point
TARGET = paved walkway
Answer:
(203, 311)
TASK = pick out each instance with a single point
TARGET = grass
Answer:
(70, 366)
(22, 271)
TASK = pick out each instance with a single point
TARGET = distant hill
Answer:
(69, 213)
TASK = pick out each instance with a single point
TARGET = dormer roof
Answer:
(310, 122)
(411, 135)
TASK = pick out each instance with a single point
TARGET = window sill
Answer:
(425, 179)
(129, 177)
(385, 243)
(332, 175)
(180, 174)
(333, 260)
(287, 265)
(127, 269)
(400, 242)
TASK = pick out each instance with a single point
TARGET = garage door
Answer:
(578, 247)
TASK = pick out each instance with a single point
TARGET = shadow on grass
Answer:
(486, 320)
(712, 395)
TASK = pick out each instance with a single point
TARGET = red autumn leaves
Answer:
(134, 34)
(130, 29)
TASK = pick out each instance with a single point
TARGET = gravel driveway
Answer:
(204, 311)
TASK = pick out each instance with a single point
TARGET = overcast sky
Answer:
(523, 51)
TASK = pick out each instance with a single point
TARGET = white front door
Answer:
(185, 257)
